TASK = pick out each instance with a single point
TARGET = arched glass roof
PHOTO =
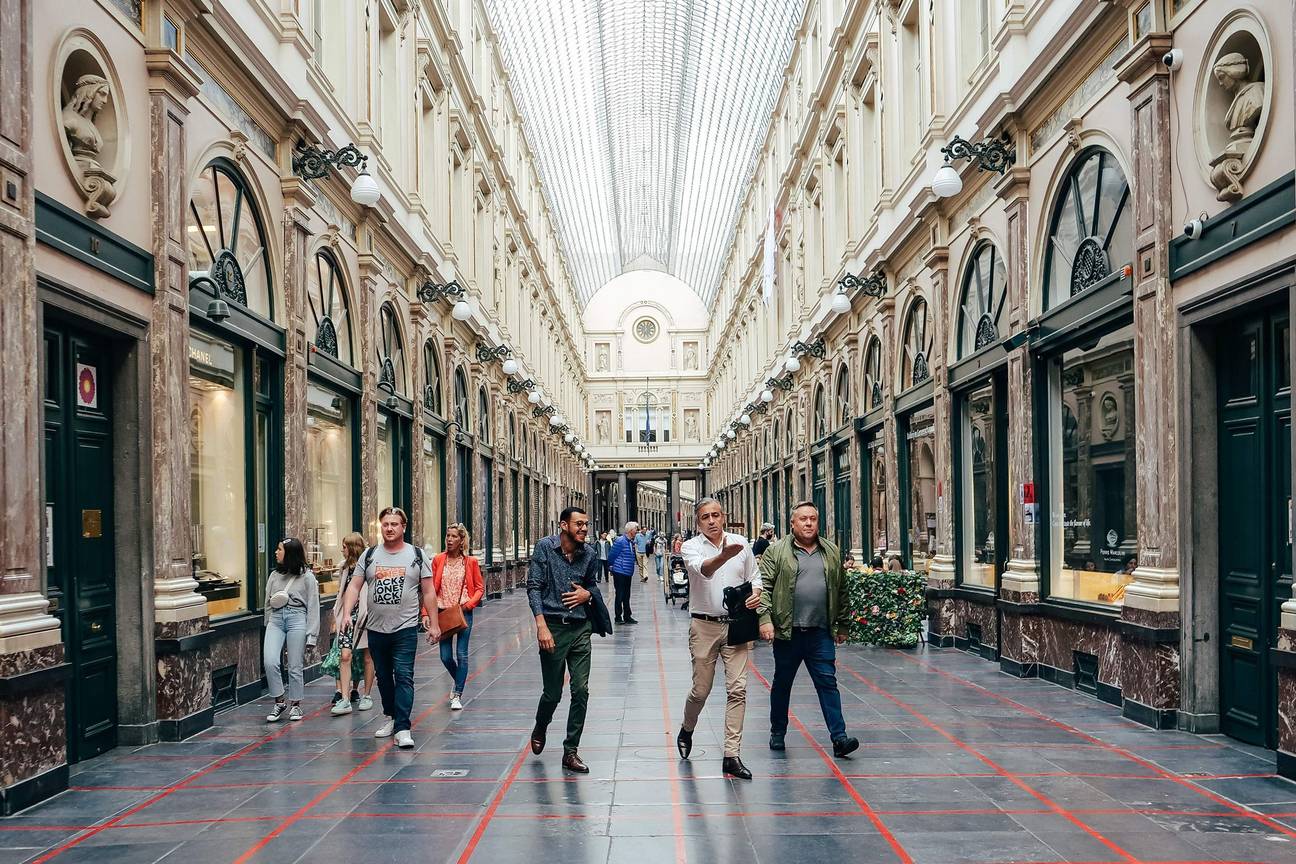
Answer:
(645, 117)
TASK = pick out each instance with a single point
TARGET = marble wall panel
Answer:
(1150, 674)
(33, 734)
(183, 684)
(1287, 696)
(242, 649)
(1059, 639)
(1021, 638)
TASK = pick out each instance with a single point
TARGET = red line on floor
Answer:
(1005, 773)
(373, 757)
(486, 817)
(680, 854)
(1112, 748)
(868, 811)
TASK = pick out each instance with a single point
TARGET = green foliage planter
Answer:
(887, 606)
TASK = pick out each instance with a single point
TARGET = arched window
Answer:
(1090, 234)
(483, 416)
(789, 435)
(914, 368)
(432, 387)
(328, 306)
(843, 397)
(391, 352)
(461, 413)
(777, 441)
(981, 313)
(873, 373)
(227, 239)
(820, 413)
(512, 434)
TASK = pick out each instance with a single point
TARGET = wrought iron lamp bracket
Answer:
(520, 386)
(546, 411)
(991, 154)
(784, 383)
(312, 163)
(818, 348)
(871, 286)
(430, 292)
(486, 354)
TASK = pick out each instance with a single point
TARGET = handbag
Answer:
(451, 621)
(744, 623)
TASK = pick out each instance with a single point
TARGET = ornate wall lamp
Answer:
(520, 386)
(992, 154)
(502, 353)
(430, 292)
(546, 411)
(871, 286)
(784, 384)
(312, 163)
(817, 348)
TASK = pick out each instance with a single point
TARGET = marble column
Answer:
(676, 517)
(623, 504)
(297, 201)
(183, 677)
(942, 572)
(32, 719)
(890, 444)
(364, 332)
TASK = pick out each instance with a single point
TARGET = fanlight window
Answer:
(432, 388)
(227, 240)
(873, 373)
(1091, 234)
(483, 416)
(328, 306)
(512, 433)
(914, 368)
(461, 399)
(843, 397)
(981, 314)
(789, 441)
(391, 353)
(820, 413)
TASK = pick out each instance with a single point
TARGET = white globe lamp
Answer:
(364, 190)
(947, 182)
(462, 311)
(510, 366)
(840, 303)
(792, 364)
(767, 396)
(534, 397)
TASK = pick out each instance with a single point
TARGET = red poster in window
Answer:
(1028, 493)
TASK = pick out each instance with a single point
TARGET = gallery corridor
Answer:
(958, 763)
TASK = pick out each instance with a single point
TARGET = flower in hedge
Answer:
(876, 610)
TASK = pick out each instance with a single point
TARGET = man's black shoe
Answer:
(618, 621)
(337, 696)
(776, 741)
(537, 740)
(629, 621)
(684, 742)
(845, 746)
(572, 762)
(355, 695)
(734, 766)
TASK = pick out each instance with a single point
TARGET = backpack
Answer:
(369, 553)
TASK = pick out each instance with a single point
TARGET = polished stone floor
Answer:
(958, 764)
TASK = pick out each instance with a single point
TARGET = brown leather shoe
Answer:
(537, 740)
(572, 762)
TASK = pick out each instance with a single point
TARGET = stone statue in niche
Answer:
(1110, 416)
(1232, 72)
(690, 426)
(89, 96)
(602, 427)
(690, 356)
(601, 359)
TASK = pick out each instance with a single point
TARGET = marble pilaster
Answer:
(296, 227)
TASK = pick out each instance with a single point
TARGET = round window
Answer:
(645, 330)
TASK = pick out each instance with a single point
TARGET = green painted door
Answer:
(841, 496)
(1254, 393)
(79, 518)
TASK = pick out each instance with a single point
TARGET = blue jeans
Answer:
(659, 565)
(393, 659)
(454, 654)
(287, 628)
(815, 647)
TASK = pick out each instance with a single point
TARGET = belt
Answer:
(712, 618)
(559, 620)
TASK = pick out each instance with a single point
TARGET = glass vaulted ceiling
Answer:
(646, 116)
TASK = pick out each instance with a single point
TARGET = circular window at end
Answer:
(645, 330)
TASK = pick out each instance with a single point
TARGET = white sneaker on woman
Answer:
(366, 702)
(385, 730)
(277, 712)
(343, 707)
(455, 704)
(404, 739)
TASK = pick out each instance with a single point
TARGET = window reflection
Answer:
(979, 487)
(877, 495)
(1094, 518)
(386, 479)
(330, 486)
(922, 488)
(433, 493)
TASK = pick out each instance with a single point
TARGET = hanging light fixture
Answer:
(792, 364)
(840, 303)
(568, 438)
(767, 396)
(510, 366)
(947, 183)
(462, 310)
(534, 397)
(745, 419)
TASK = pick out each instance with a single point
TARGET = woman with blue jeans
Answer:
(458, 580)
(292, 623)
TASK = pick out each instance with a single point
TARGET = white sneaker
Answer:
(343, 707)
(385, 730)
(455, 704)
(295, 713)
(277, 712)
(404, 739)
(366, 702)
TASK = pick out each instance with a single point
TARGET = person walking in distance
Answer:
(622, 562)
(717, 560)
(604, 547)
(458, 580)
(804, 609)
(401, 589)
(659, 553)
(763, 540)
(291, 622)
(352, 638)
(642, 539)
(561, 582)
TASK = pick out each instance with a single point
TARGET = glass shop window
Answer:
(386, 461)
(330, 486)
(433, 493)
(922, 488)
(979, 486)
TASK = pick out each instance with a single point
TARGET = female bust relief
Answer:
(89, 95)
(1232, 72)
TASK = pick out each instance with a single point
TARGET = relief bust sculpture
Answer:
(89, 96)
(1232, 72)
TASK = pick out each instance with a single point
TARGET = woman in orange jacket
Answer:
(457, 578)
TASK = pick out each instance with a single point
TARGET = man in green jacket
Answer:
(803, 606)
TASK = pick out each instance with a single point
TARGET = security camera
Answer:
(1173, 59)
(1193, 229)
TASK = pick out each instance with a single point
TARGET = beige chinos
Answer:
(707, 644)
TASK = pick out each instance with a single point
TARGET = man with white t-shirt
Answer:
(715, 561)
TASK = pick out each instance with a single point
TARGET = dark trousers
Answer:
(570, 657)
(621, 582)
(393, 659)
(454, 654)
(607, 570)
(815, 647)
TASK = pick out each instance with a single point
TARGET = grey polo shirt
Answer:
(810, 602)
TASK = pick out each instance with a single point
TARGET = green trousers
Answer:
(571, 656)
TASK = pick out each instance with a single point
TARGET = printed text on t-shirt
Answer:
(389, 582)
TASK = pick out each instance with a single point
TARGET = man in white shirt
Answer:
(717, 560)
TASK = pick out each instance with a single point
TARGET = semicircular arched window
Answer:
(777, 441)
(461, 413)
(914, 362)
(227, 239)
(820, 413)
(789, 435)
(391, 352)
(328, 305)
(873, 373)
(981, 312)
(1091, 232)
(512, 433)
(843, 394)
(432, 387)
(483, 416)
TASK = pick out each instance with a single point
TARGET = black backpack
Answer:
(369, 553)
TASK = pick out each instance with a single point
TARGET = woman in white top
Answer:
(353, 638)
(292, 622)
